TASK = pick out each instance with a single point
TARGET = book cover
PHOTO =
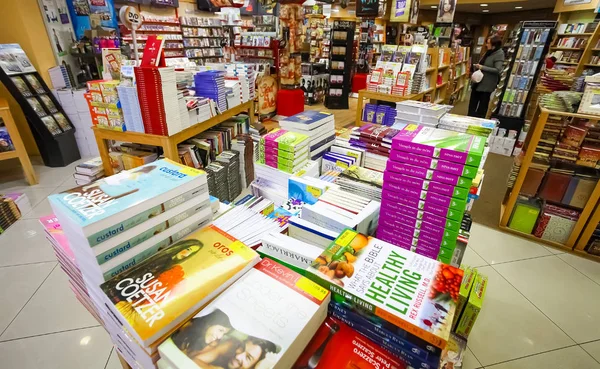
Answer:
(160, 292)
(446, 145)
(264, 320)
(124, 192)
(413, 292)
(336, 345)
(308, 118)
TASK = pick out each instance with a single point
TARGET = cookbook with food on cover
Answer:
(161, 292)
(413, 292)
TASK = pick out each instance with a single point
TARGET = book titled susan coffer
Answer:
(413, 292)
(163, 291)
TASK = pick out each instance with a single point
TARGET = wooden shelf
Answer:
(430, 69)
(566, 48)
(442, 85)
(574, 34)
(439, 101)
(441, 67)
(168, 143)
(536, 239)
(19, 151)
(8, 155)
(566, 63)
(592, 65)
(430, 89)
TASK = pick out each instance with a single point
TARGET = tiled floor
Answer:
(542, 308)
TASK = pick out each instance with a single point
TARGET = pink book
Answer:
(54, 230)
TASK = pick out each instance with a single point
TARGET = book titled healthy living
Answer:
(153, 298)
(446, 145)
(405, 289)
(264, 320)
(112, 205)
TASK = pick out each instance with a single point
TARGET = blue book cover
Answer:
(308, 117)
(94, 202)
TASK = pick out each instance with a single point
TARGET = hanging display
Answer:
(446, 11)
(400, 11)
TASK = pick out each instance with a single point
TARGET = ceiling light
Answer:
(434, 7)
(483, 4)
(518, 7)
(486, 11)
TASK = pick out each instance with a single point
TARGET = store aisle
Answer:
(541, 309)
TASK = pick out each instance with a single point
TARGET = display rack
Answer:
(342, 38)
(364, 94)
(202, 39)
(168, 143)
(586, 235)
(169, 28)
(531, 143)
(19, 151)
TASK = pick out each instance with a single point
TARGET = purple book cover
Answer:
(433, 175)
(431, 163)
(414, 202)
(421, 183)
(402, 210)
(417, 234)
(424, 195)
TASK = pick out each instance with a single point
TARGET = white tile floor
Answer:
(542, 308)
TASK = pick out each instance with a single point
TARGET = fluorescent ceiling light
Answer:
(518, 7)
(483, 4)
(434, 7)
(486, 11)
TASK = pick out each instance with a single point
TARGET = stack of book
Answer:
(145, 305)
(115, 223)
(289, 251)
(379, 114)
(246, 74)
(130, 104)
(66, 260)
(230, 160)
(319, 126)
(21, 200)
(284, 150)
(426, 185)
(362, 182)
(245, 146)
(246, 336)
(89, 171)
(337, 209)
(402, 301)
(9, 213)
(422, 113)
(273, 183)
(470, 125)
(234, 93)
(211, 84)
(376, 140)
(157, 93)
(217, 181)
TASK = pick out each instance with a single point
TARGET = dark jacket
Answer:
(491, 68)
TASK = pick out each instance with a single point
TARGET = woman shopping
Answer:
(490, 66)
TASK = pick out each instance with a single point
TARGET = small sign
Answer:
(130, 17)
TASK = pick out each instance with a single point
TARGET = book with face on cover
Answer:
(264, 320)
(413, 292)
(99, 211)
(154, 298)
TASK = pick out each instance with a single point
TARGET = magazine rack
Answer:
(334, 99)
(56, 142)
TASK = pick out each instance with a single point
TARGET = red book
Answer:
(153, 51)
(336, 345)
(149, 86)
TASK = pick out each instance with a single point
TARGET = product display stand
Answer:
(341, 57)
(15, 137)
(533, 138)
(168, 143)
(586, 235)
(364, 94)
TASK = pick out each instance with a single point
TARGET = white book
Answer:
(292, 251)
(304, 230)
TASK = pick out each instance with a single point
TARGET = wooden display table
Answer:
(530, 144)
(364, 94)
(168, 143)
(19, 151)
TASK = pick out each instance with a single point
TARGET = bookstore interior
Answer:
(226, 184)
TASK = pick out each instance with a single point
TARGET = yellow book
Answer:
(166, 289)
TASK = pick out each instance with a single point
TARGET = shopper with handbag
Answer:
(486, 76)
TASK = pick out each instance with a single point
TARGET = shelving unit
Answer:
(202, 39)
(19, 152)
(168, 143)
(169, 29)
(534, 136)
(459, 74)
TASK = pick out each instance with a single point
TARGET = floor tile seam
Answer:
(49, 333)
(534, 305)
(579, 271)
(109, 355)
(27, 302)
(514, 261)
(25, 264)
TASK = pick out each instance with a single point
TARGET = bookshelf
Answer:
(168, 143)
(459, 74)
(542, 116)
(443, 72)
(203, 39)
(19, 151)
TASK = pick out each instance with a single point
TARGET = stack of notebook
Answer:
(426, 187)
(211, 84)
(470, 125)
(319, 126)
(284, 150)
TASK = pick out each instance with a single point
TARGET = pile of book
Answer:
(75, 106)
(379, 114)
(89, 171)
(284, 150)
(9, 213)
(245, 146)
(114, 224)
(318, 126)
(21, 200)
(426, 187)
(230, 160)
(273, 184)
(470, 125)
(246, 74)
(362, 182)
(374, 284)
(421, 113)
(211, 84)
(376, 140)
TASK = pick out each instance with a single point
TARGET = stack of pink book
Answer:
(66, 259)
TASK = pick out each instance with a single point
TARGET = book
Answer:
(404, 288)
(310, 233)
(159, 294)
(307, 120)
(112, 205)
(446, 145)
(291, 251)
(336, 345)
(242, 333)
(90, 167)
